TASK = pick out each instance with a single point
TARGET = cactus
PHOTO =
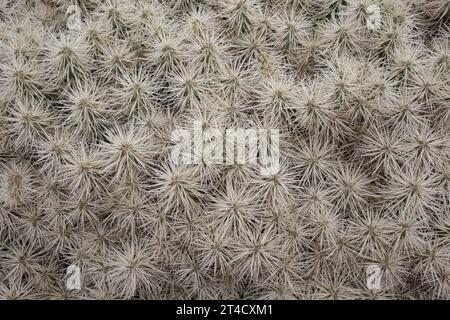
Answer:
(88, 109)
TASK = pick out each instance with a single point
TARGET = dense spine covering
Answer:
(86, 177)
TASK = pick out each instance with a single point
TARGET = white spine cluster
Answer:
(91, 92)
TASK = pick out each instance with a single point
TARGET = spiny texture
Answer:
(87, 178)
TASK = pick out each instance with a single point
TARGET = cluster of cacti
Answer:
(362, 104)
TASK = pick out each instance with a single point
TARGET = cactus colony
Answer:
(90, 92)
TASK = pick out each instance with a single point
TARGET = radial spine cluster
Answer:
(91, 92)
